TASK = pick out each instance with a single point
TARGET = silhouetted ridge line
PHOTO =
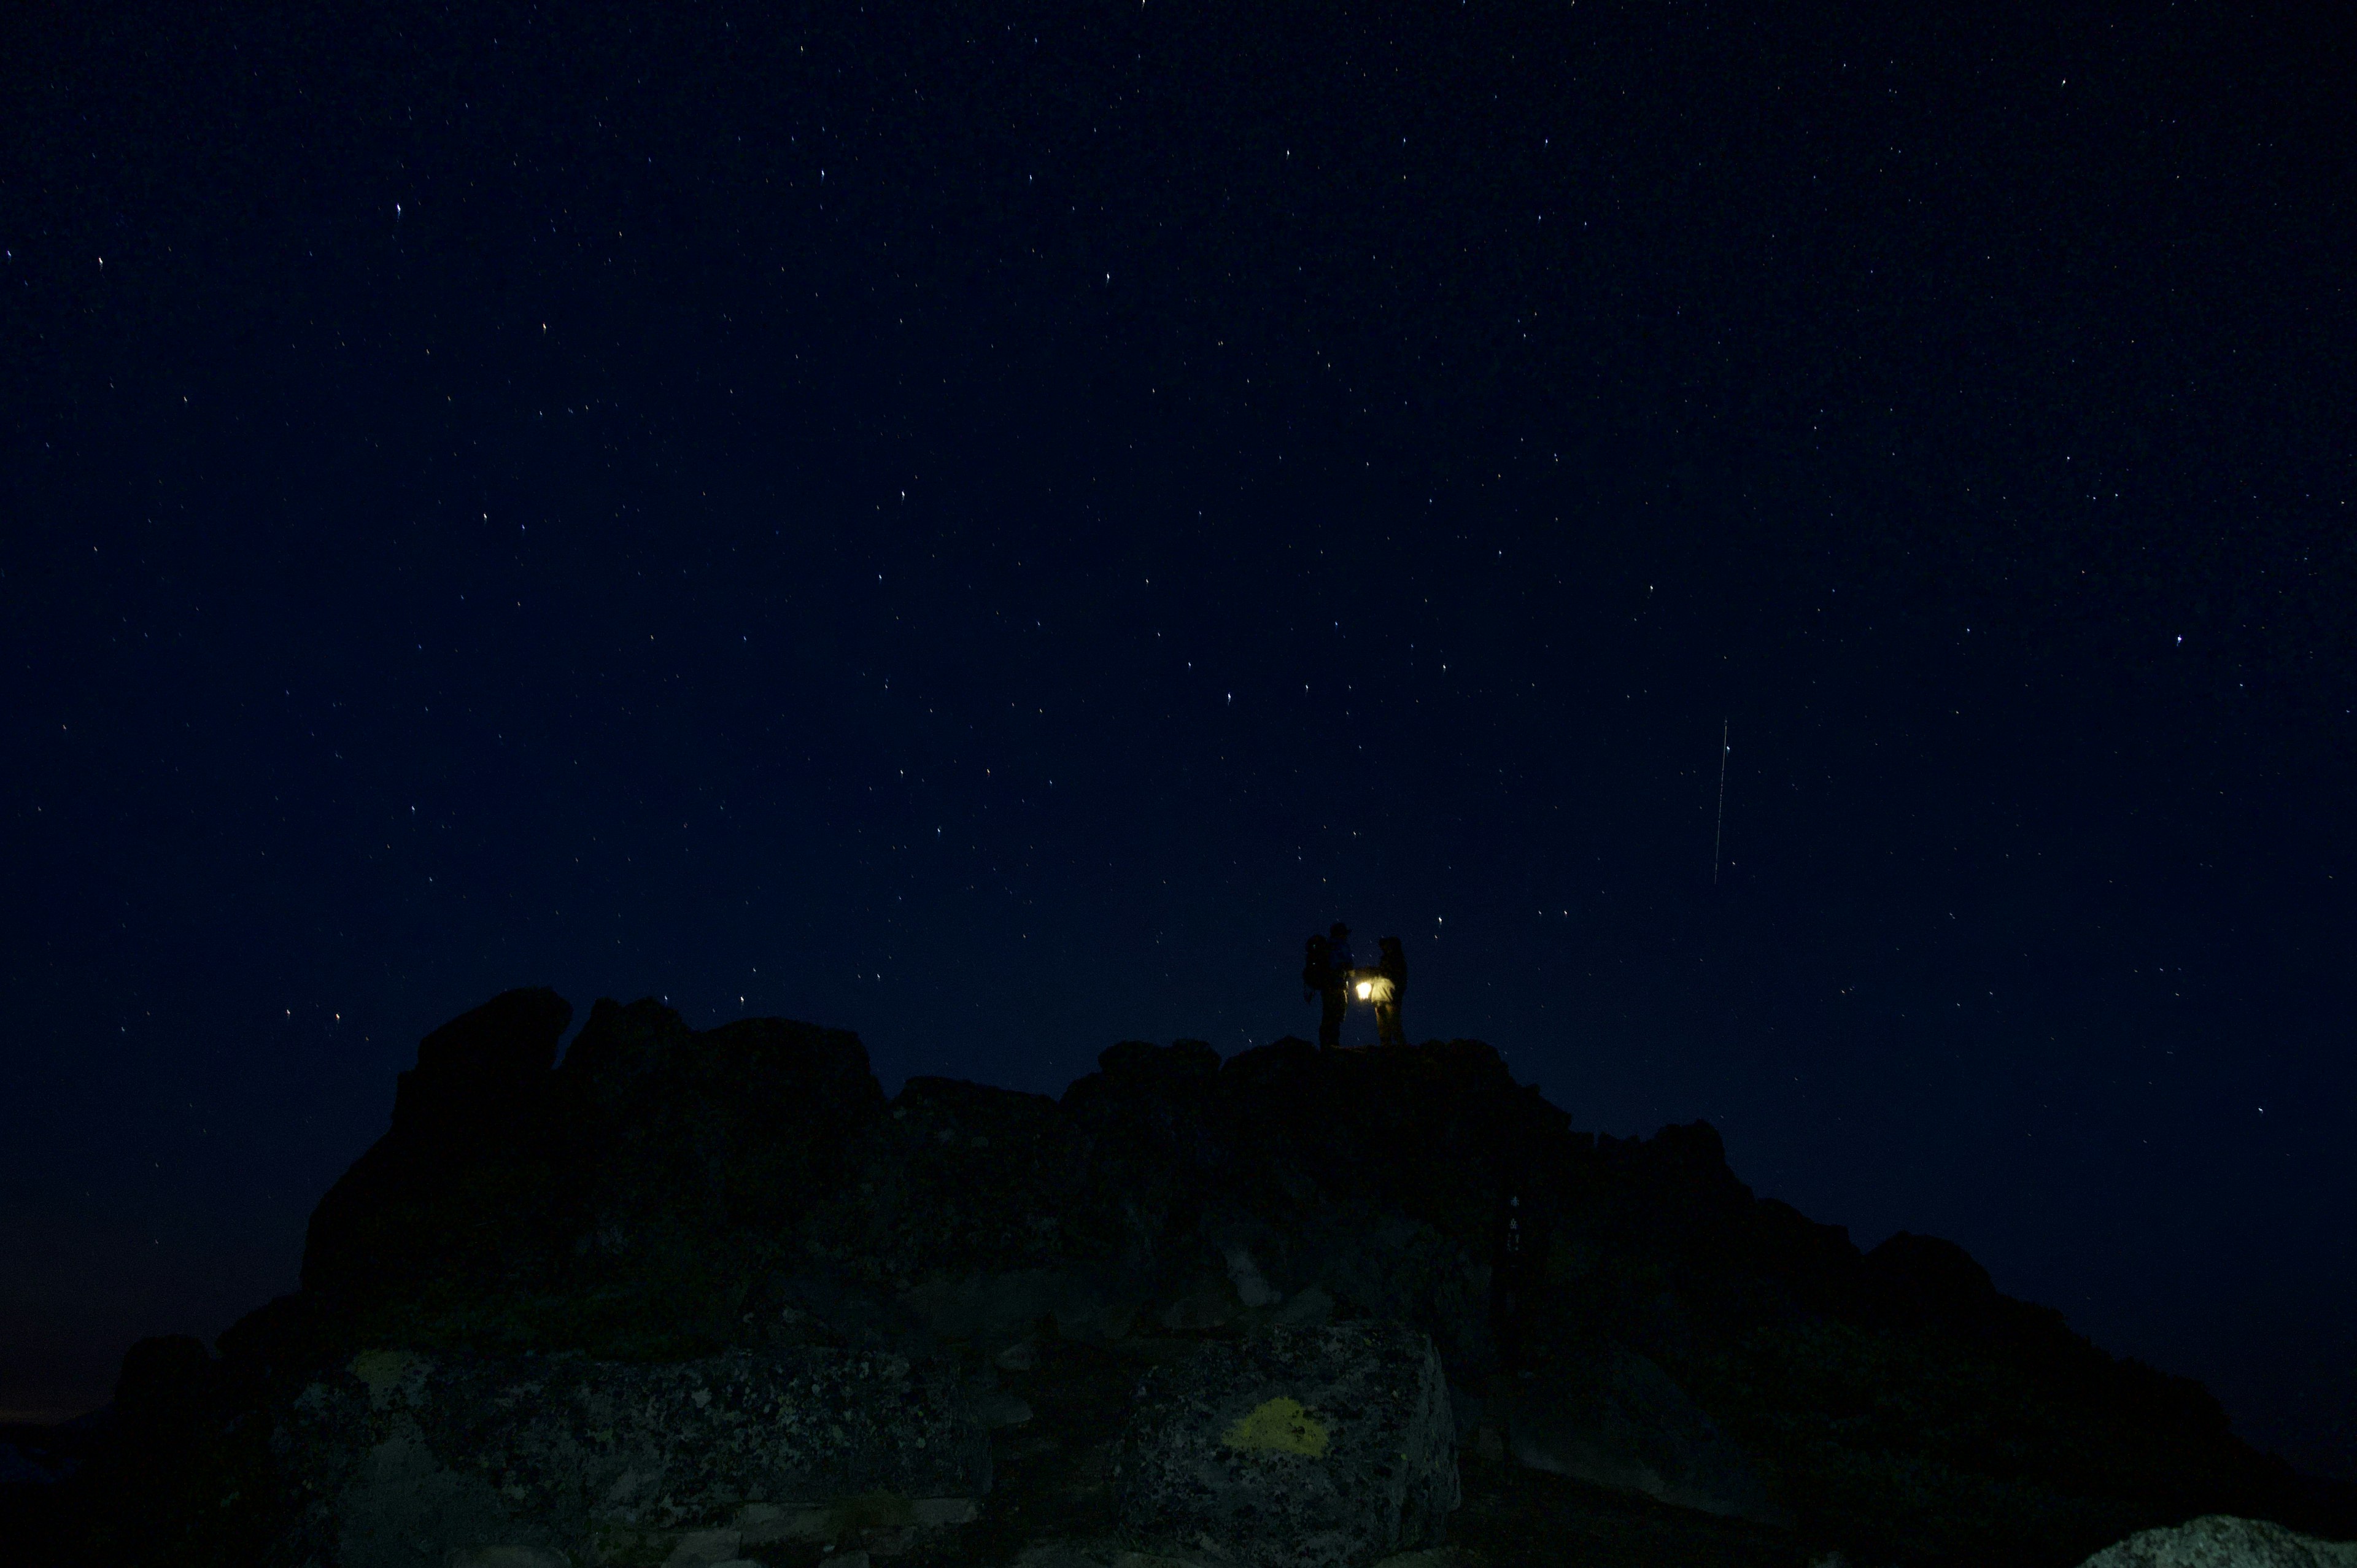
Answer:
(742, 1211)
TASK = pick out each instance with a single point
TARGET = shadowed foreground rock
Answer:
(1299, 1448)
(1644, 1362)
(1613, 1417)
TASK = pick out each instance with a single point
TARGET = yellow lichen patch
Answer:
(1279, 1426)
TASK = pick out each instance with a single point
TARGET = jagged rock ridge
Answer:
(1624, 1312)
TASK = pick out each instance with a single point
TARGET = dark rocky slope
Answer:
(1646, 1362)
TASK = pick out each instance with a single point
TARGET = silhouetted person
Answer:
(1338, 981)
(1318, 979)
(1337, 998)
(1393, 969)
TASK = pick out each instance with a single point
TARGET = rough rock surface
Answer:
(1298, 1448)
(664, 1199)
(2222, 1540)
(404, 1453)
(1613, 1417)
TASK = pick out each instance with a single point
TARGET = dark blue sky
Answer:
(985, 526)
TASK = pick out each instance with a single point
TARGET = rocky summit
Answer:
(710, 1296)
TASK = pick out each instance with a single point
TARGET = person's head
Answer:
(1389, 944)
(1338, 932)
(1314, 945)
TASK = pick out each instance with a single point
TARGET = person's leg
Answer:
(1329, 1025)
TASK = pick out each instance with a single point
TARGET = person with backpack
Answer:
(1318, 980)
(1338, 984)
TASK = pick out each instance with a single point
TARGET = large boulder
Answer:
(418, 1458)
(1328, 1447)
(2222, 1540)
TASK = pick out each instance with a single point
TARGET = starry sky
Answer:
(986, 524)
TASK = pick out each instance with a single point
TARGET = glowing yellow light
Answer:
(1366, 989)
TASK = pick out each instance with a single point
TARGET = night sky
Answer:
(986, 524)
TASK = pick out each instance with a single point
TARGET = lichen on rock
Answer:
(605, 1459)
(1280, 1425)
(1298, 1448)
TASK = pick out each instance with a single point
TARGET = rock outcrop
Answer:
(1299, 1448)
(1613, 1417)
(666, 1206)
